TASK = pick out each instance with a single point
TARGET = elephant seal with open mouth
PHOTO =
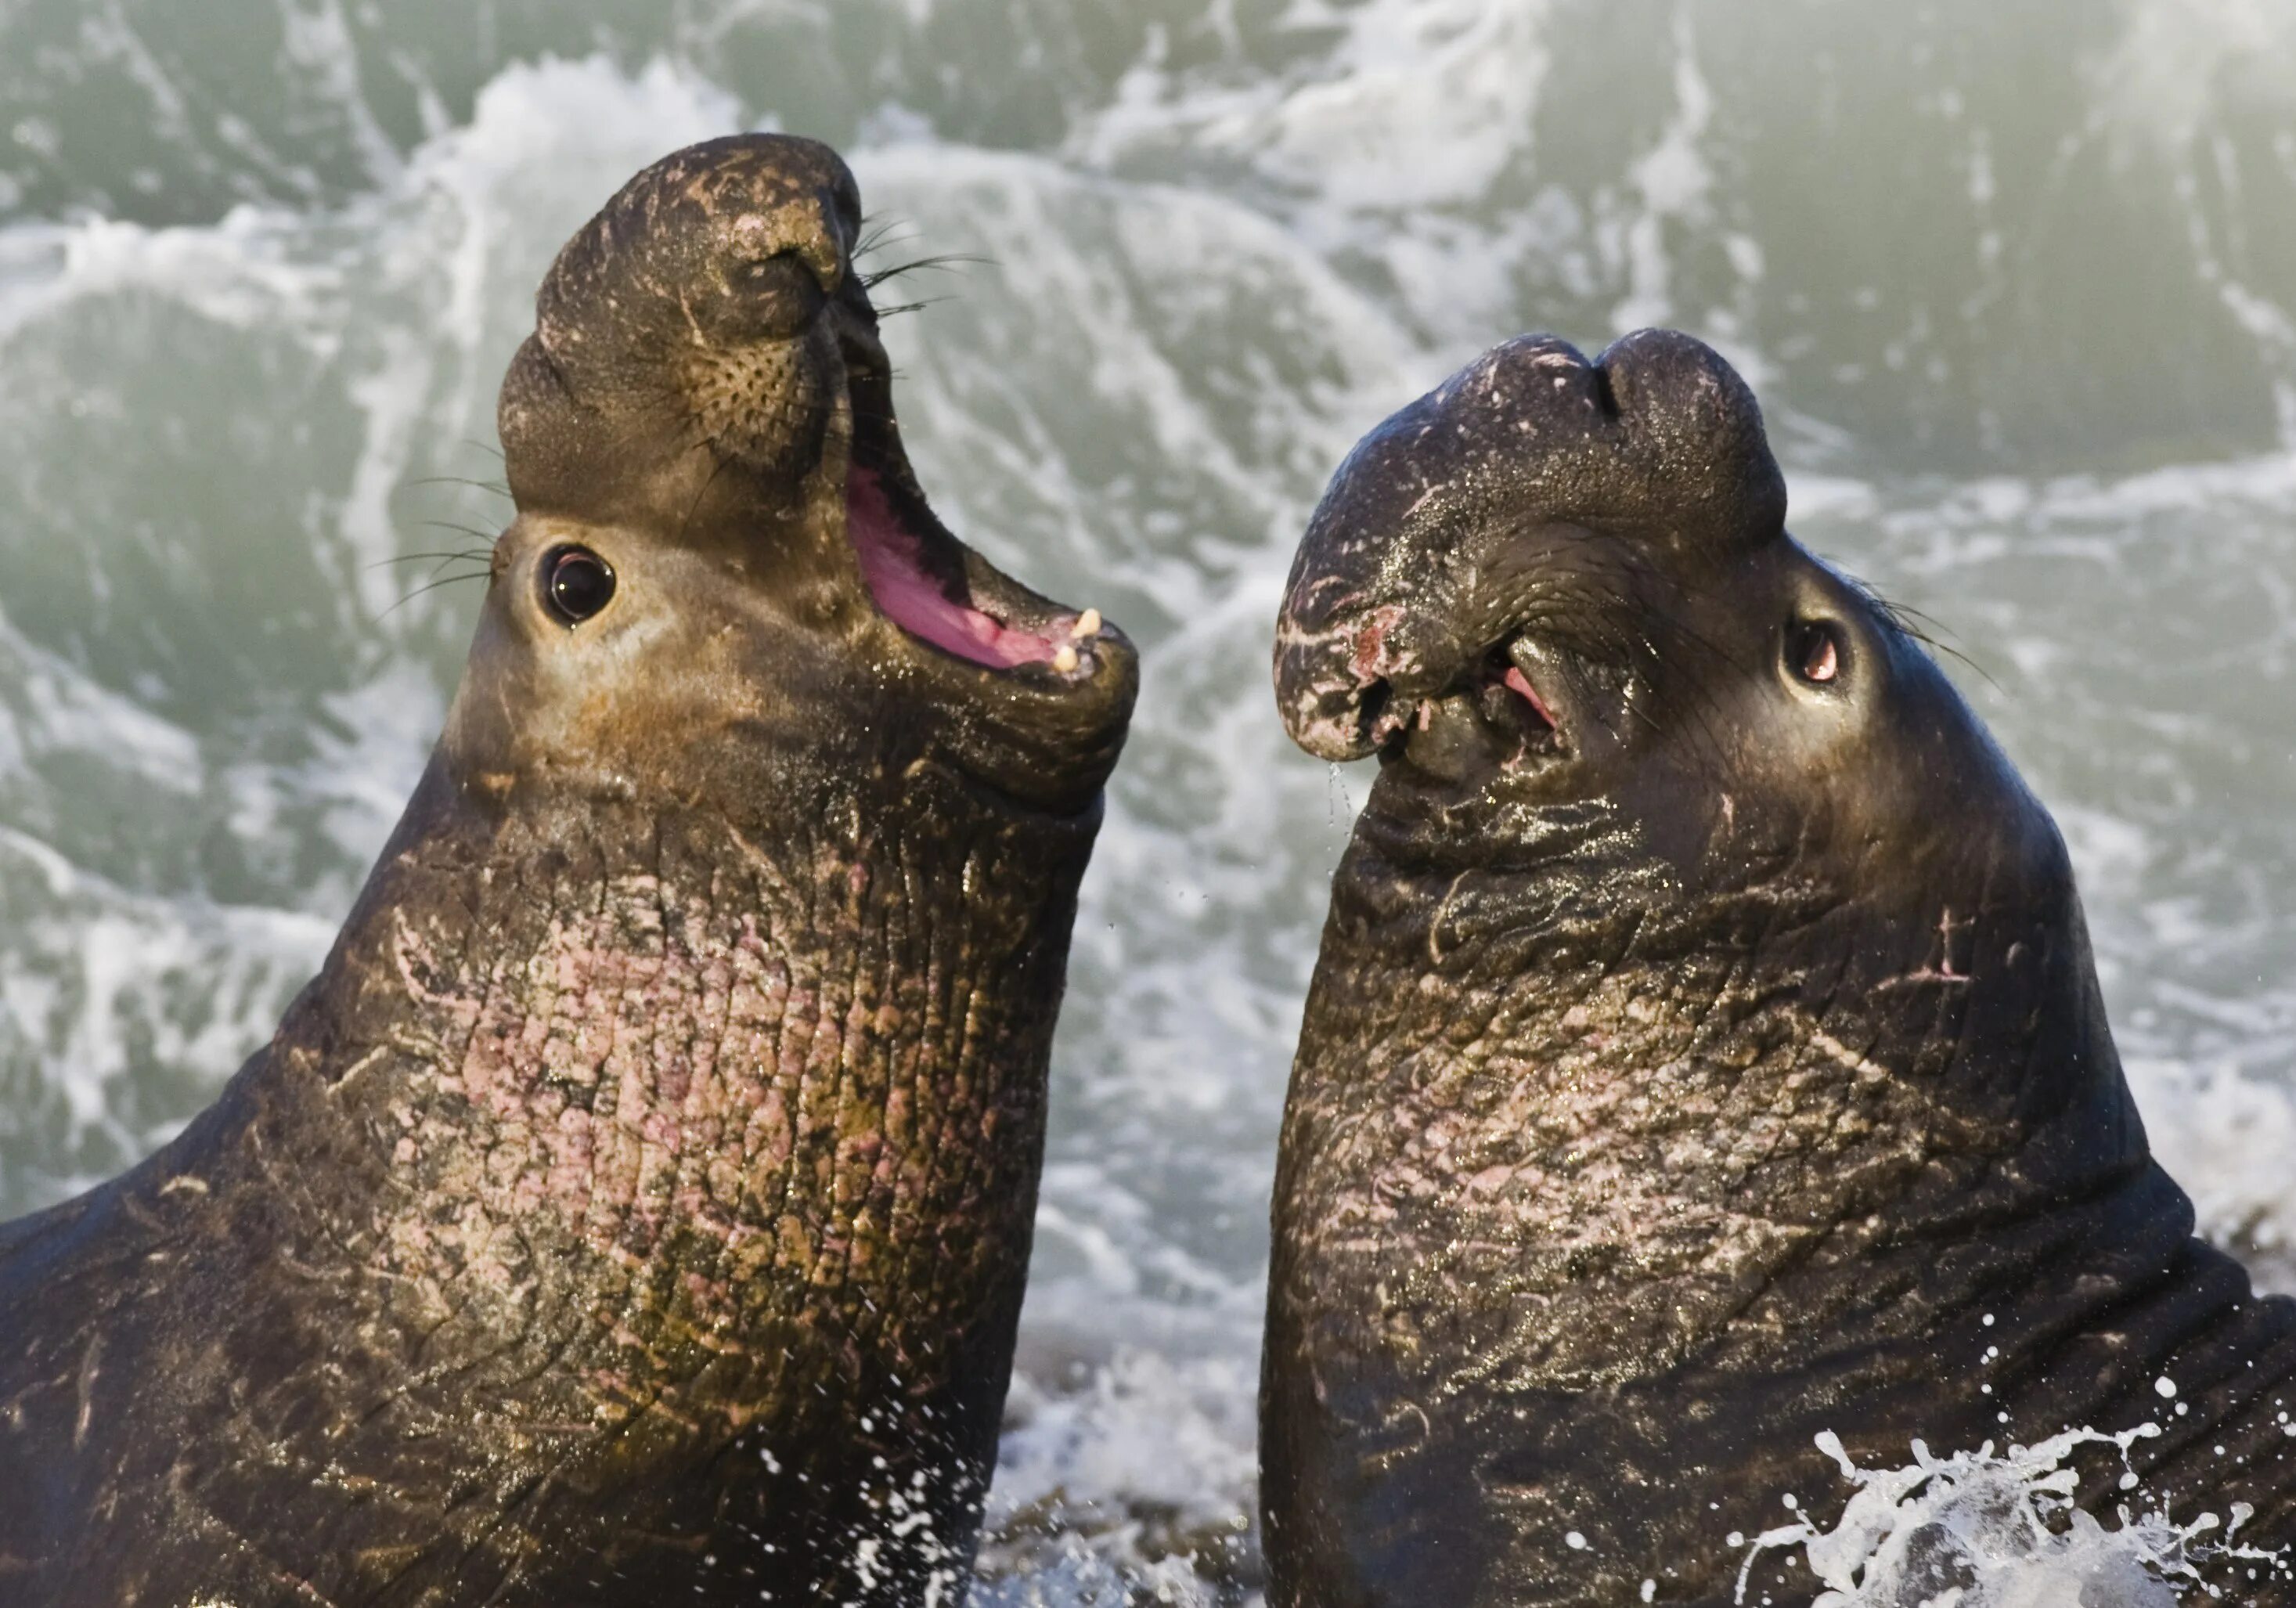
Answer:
(636, 1207)
(1705, 1051)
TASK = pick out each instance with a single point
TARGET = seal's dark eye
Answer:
(1814, 650)
(576, 584)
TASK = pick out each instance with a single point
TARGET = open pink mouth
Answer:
(892, 563)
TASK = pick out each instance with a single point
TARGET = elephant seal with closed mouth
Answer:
(1705, 1051)
(636, 1207)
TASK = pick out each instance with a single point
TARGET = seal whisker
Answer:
(488, 536)
(716, 468)
(430, 585)
(456, 479)
(899, 308)
(485, 560)
(876, 233)
(1914, 623)
(414, 558)
(466, 555)
(949, 261)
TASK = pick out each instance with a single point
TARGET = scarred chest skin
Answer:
(1590, 1225)
(1723, 1068)
(652, 1161)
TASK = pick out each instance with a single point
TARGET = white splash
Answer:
(1978, 1530)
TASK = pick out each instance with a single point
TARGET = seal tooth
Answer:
(1087, 624)
(1065, 659)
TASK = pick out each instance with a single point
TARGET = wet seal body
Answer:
(1705, 1051)
(637, 1207)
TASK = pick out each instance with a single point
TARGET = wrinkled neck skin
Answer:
(632, 1143)
(1612, 1176)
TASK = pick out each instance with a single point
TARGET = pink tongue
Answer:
(912, 599)
(1521, 683)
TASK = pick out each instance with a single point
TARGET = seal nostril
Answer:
(1371, 706)
(576, 584)
(782, 291)
(1605, 398)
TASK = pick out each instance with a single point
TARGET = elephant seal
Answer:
(636, 1207)
(1705, 1051)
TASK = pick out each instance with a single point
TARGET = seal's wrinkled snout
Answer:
(1509, 515)
(692, 312)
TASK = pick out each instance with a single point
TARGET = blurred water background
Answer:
(2016, 279)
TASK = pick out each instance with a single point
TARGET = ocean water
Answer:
(2017, 284)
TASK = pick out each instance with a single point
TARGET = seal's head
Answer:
(721, 554)
(1551, 586)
